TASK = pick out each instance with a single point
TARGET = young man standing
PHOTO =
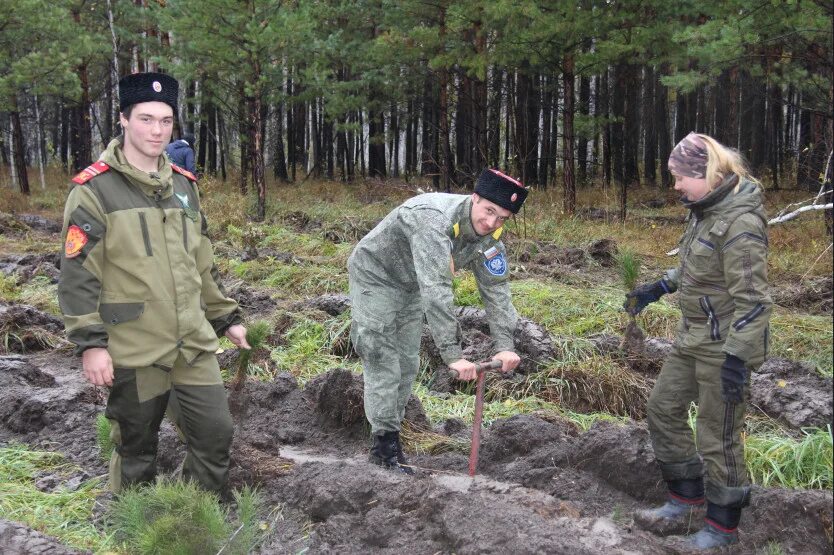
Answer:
(140, 295)
(402, 270)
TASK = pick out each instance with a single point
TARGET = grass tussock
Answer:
(61, 513)
(180, 518)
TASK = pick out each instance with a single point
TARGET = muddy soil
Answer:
(543, 486)
(813, 295)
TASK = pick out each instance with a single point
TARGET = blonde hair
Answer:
(723, 161)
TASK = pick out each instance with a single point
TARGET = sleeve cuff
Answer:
(223, 323)
(451, 354)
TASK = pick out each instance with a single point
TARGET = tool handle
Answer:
(481, 367)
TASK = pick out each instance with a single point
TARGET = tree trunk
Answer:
(222, 143)
(649, 131)
(376, 143)
(582, 142)
(605, 102)
(255, 132)
(547, 124)
(494, 119)
(526, 126)
(243, 137)
(18, 155)
(41, 146)
(202, 144)
(569, 186)
(618, 106)
(446, 168)
(279, 164)
(631, 129)
(661, 122)
(291, 151)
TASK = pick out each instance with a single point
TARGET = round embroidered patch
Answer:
(514, 197)
(76, 239)
(157, 86)
(497, 265)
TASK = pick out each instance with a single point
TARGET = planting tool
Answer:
(481, 368)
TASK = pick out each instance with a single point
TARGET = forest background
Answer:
(562, 94)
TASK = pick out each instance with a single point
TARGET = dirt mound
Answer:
(812, 295)
(19, 538)
(27, 266)
(39, 223)
(800, 521)
(792, 392)
(253, 301)
(622, 455)
(604, 251)
(533, 343)
(24, 328)
(339, 400)
(333, 304)
(647, 361)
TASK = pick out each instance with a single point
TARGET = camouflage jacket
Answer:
(722, 276)
(413, 249)
(137, 271)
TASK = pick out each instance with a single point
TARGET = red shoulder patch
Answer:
(184, 172)
(90, 172)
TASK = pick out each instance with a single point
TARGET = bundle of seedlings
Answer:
(633, 338)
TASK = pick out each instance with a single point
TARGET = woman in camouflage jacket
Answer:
(723, 295)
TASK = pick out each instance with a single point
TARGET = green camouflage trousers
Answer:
(687, 378)
(385, 332)
(136, 407)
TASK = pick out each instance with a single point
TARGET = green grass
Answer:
(310, 347)
(803, 337)
(60, 513)
(774, 459)
(175, 517)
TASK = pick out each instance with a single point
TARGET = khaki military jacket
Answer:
(722, 276)
(137, 271)
(413, 249)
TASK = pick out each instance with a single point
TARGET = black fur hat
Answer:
(148, 87)
(501, 189)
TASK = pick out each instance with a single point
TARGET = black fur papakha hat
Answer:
(501, 189)
(148, 87)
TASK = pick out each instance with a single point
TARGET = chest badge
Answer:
(496, 264)
(189, 212)
(76, 239)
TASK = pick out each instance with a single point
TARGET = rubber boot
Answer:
(405, 468)
(387, 452)
(720, 529)
(681, 512)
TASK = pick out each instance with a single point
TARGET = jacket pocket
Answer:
(146, 237)
(117, 313)
(712, 319)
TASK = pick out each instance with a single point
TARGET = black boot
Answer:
(387, 452)
(680, 514)
(720, 528)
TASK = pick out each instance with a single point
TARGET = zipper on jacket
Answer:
(749, 317)
(184, 231)
(145, 235)
(712, 319)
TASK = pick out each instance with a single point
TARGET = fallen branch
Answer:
(797, 212)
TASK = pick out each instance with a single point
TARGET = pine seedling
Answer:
(256, 336)
(103, 439)
(629, 265)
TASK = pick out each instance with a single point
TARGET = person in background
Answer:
(181, 153)
(725, 303)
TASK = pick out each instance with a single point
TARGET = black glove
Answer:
(642, 296)
(733, 376)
